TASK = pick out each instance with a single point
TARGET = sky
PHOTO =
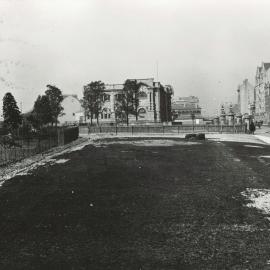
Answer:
(204, 48)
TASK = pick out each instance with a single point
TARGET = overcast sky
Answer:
(203, 48)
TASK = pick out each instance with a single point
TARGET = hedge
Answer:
(71, 134)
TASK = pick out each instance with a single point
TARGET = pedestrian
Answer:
(252, 127)
(246, 127)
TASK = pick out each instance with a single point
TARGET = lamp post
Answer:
(193, 117)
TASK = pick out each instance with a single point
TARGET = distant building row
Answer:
(255, 100)
(186, 109)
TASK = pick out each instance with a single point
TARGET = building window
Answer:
(106, 97)
(141, 113)
(142, 95)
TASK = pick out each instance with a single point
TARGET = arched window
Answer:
(141, 113)
(142, 95)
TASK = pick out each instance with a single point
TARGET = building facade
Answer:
(246, 98)
(154, 103)
(262, 93)
(72, 107)
(184, 108)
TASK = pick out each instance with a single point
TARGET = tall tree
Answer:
(55, 98)
(93, 98)
(41, 114)
(129, 101)
(11, 113)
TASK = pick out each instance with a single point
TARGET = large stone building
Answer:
(154, 103)
(246, 98)
(262, 93)
(184, 108)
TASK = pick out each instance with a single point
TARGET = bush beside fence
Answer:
(71, 134)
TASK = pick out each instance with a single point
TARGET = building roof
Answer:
(70, 95)
(149, 82)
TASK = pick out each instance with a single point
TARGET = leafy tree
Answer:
(42, 113)
(55, 98)
(11, 113)
(93, 96)
(129, 101)
(118, 108)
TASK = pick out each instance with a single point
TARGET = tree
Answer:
(42, 113)
(129, 100)
(11, 113)
(55, 98)
(134, 86)
(93, 96)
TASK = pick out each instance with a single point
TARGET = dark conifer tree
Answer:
(11, 113)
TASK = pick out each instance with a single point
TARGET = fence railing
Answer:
(25, 147)
(16, 149)
(164, 129)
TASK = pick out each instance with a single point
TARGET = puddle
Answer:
(259, 198)
(253, 146)
(60, 161)
(264, 156)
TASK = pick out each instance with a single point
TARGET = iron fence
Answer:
(20, 147)
(164, 129)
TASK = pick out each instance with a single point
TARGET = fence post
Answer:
(116, 130)
(100, 129)
(132, 130)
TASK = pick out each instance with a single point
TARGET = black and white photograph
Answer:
(134, 135)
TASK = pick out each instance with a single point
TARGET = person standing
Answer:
(252, 127)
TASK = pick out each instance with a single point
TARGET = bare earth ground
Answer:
(137, 203)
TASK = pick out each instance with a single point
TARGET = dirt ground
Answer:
(117, 204)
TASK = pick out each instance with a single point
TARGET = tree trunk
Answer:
(97, 119)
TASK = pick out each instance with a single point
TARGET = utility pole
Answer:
(157, 70)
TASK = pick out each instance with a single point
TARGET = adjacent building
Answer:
(262, 93)
(186, 108)
(246, 99)
(154, 103)
(72, 110)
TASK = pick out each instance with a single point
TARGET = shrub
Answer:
(71, 134)
(3, 131)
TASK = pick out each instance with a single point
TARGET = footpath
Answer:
(263, 134)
